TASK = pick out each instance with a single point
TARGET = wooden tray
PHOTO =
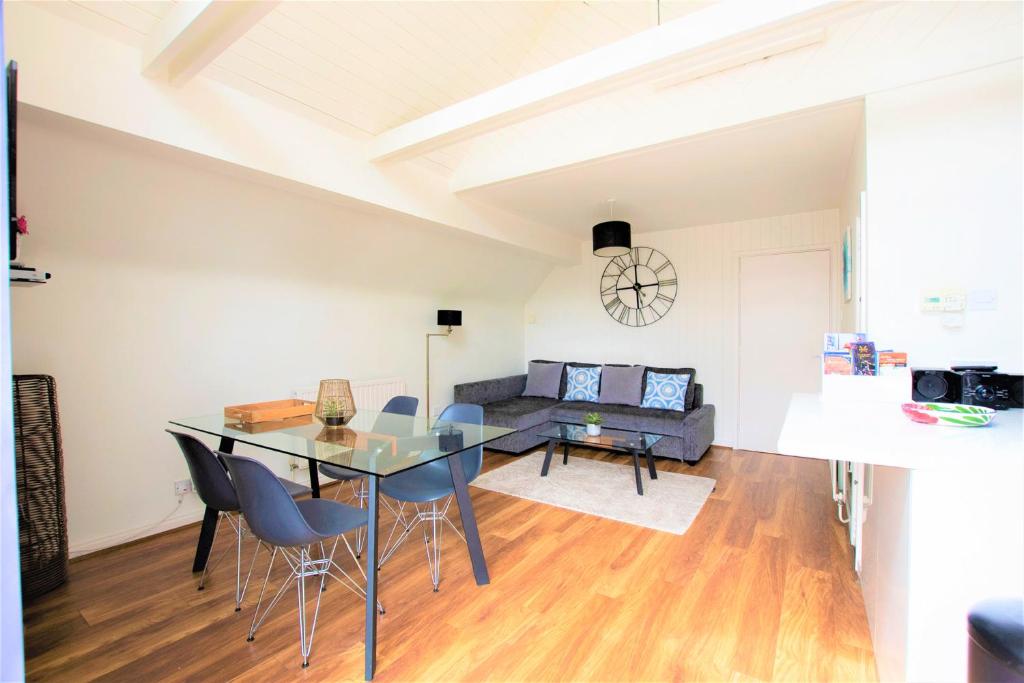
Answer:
(269, 411)
(262, 427)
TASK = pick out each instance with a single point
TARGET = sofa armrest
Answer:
(490, 390)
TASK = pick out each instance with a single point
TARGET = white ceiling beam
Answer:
(196, 32)
(731, 24)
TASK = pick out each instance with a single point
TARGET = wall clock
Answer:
(639, 288)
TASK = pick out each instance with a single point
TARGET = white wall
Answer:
(177, 291)
(944, 211)
(849, 214)
(699, 331)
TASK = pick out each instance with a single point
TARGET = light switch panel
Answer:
(931, 302)
(982, 300)
(954, 300)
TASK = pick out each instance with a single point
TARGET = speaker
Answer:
(992, 390)
(937, 386)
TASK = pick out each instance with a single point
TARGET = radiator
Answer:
(369, 394)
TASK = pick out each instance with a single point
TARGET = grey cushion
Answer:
(621, 384)
(544, 380)
(691, 387)
(653, 420)
(518, 413)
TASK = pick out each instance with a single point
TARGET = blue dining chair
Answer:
(217, 492)
(293, 528)
(396, 405)
(429, 489)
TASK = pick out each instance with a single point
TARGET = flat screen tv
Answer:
(12, 157)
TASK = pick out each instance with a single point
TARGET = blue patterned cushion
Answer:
(581, 384)
(665, 391)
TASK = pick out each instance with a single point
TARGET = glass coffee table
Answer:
(622, 440)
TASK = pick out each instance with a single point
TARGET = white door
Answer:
(784, 312)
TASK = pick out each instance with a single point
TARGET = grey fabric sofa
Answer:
(687, 435)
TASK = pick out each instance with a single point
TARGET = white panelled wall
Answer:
(567, 321)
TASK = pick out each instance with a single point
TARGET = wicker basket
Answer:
(39, 469)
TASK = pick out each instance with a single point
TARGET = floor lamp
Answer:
(447, 319)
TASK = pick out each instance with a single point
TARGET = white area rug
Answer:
(670, 503)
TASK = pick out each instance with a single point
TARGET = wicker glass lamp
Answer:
(334, 403)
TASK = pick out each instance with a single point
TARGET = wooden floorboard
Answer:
(760, 588)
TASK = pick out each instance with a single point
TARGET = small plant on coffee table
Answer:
(593, 422)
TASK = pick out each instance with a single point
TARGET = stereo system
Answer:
(971, 385)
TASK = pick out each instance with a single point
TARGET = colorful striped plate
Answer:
(949, 414)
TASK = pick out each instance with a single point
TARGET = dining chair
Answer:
(293, 528)
(216, 491)
(430, 491)
(396, 405)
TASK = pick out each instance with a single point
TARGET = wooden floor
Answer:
(759, 588)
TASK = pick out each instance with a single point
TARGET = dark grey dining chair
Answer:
(215, 490)
(430, 491)
(293, 528)
(396, 405)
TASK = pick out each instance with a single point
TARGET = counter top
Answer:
(877, 433)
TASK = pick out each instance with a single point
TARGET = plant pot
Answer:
(593, 430)
(335, 422)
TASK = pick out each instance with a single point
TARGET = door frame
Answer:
(833, 291)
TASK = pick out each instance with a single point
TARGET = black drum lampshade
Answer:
(611, 239)
(449, 318)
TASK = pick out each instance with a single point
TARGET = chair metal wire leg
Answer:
(360, 495)
(255, 624)
(434, 553)
(407, 528)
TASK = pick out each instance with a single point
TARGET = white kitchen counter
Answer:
(878, 433)
(943, 524)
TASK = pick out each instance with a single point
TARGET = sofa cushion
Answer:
(652, 420)
(544, 380)
(666, 390)
(690, 387)
(621, 384)
(582, 384)
(520, 412)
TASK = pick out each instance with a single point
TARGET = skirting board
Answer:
(93, 545)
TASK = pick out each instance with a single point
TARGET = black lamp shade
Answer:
(449, 318)
(612, 238)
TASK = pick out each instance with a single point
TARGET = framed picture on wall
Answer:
(847, 265)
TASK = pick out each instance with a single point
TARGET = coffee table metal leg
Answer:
(650, 464)
(636, 470)
(565, 454)
(547, 457)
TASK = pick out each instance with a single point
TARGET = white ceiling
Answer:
(786, 165)
(365, 67)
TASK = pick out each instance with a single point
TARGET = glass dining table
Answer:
(376, 444)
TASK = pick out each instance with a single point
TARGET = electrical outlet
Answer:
(182, 487)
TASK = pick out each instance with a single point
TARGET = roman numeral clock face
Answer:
(639, 288)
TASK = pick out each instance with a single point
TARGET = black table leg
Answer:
(314, 477)
(636, 470)
(210, 517)
(372, 509)
(565, 454)
(206, 534)
(547, 458)
(650, 464)
(476, 550)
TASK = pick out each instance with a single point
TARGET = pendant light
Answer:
(612, 238)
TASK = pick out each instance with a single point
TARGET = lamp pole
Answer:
(448, 333)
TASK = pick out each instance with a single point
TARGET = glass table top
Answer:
(625, 439)
(372, 442)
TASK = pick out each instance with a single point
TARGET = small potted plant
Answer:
(332, 413)
(593, 422)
